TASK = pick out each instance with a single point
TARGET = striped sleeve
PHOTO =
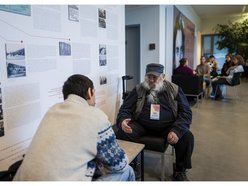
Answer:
(109, 152)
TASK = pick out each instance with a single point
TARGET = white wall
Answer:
(148, 19)
(156, 23)
(27, 98)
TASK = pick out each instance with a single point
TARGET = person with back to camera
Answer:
(73, 140)
(159, 107)
(217, 91)
(183, 68)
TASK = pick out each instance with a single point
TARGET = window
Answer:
(209, 47)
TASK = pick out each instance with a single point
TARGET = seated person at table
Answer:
(159, 107)
(73, 140)
(183, 68)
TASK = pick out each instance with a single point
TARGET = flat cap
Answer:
(154, 69)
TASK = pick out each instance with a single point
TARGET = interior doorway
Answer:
(132, 55)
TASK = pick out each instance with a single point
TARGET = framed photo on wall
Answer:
(183, 39)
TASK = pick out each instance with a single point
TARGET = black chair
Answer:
(192, 86)
(158, 145)
(152, 143)
(236, 79)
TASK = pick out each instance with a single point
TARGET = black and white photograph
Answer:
(73, 13)
(64, 49)
(101, 13)
(1, 112)
(103, 80)
(101, 18)
(102, 55)
(15, 51)
(1, 129)
(15, 59)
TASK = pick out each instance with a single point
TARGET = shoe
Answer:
(219, 97)
(212, 96)
(180, 176)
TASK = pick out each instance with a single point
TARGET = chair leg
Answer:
(163, 166)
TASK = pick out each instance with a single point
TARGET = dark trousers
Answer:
(216, 86)
(183, 148)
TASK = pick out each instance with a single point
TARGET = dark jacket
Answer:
(225, 67)
(180, 124)
(184, 70)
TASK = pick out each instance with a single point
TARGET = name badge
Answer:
(154, 112)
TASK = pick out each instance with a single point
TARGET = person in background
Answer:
(159, 107)
(183, 68)
(238, 62)
(213, 67)
(203, 69)
(73, 140)
(226, 65)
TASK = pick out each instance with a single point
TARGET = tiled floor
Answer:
(221, 141)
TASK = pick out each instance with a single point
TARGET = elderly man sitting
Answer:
(159, 107)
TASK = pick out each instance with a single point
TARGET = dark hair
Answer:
(211, 56)
(240, 59)
(77, 84)
(183, 61)
(229, 55)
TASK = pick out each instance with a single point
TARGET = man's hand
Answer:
(172, 138)
(125, 127)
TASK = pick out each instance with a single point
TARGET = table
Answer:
(132, 150)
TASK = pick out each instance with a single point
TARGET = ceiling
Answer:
(204, 11)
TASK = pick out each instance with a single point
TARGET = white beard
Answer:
(158, 86)
(152, 96)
